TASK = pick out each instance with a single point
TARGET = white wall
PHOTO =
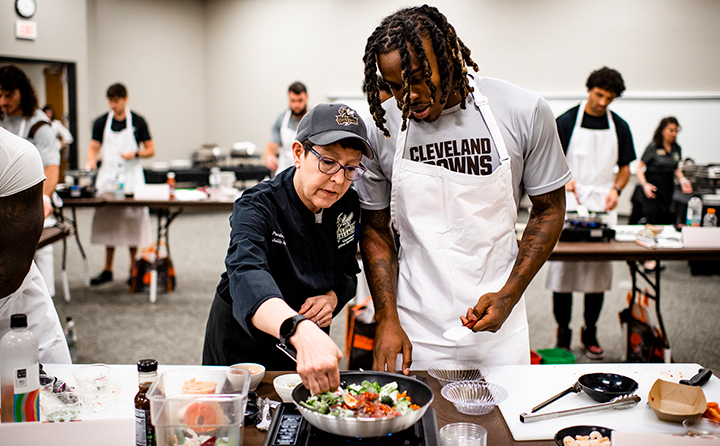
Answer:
(156, 49)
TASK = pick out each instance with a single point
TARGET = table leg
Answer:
(65, 284)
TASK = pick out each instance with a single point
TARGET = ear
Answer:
(297, 151)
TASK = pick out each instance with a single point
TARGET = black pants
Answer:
(562, 307)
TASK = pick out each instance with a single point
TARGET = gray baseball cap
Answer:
(325, 124)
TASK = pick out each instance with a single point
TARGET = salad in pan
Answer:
(365, 400)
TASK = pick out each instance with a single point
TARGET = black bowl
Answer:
(603, 387)
(572, 431)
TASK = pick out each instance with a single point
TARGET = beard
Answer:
(300, 114)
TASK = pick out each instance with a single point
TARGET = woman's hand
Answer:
(319, 309)
(318, 358)
(649, 190)
(686, 186)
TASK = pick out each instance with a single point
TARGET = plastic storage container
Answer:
(179, 416)
(556, 356)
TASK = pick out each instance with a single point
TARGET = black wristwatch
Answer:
(618, 190)
(289, 326)
(137, 154)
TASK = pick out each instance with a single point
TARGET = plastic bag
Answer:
(140, 274)
(359, 336)
(645, 342)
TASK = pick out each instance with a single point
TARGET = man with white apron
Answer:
(278, 152)
(22, 117)
(22, 287)
(452, 180)
(595, 140)
(120, 134)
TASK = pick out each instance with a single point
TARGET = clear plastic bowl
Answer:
(474, 397)
(447, 372)
(463, 434)
(702, 427)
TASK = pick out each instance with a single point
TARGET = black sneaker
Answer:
(564, 335)
(590, 345)
(103, 277)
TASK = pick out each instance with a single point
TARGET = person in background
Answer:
(64, 137)
(19, 114)
(657, 171)
(291, 264)
(595, 140)
(278, 152)
(124, 137)
(455, 153)
(22, 287)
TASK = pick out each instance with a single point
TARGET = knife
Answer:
(703, 375)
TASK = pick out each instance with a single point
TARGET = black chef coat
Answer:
(278, 249)
(660, 172)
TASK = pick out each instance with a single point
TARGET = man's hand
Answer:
(611, 200)
(318, 358)
(319, 309)
(391, 340)
(570, 187)
(127, 156)
(47, 206)
(490, 312)
(649, 190)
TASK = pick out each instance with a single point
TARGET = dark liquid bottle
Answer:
(144, 430)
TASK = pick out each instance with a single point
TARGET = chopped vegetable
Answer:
(367, 400)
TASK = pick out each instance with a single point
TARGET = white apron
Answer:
(457, 243)
(591, 156)
(120, 226)
(32, 299)
(287, 136)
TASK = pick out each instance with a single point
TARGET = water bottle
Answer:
(215, 177)
(694, 212)
(19, 373)
(710, 219)
(71, 338)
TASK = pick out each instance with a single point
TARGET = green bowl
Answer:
(556, 356)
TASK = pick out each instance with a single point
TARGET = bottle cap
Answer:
(18, 321)
(147, 365)
(68, 319)
(711, 211)
(171, 175)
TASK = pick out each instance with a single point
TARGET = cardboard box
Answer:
(700, 237)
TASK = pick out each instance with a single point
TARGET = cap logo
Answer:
(346, 116)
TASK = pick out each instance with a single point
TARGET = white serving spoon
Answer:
(458, 332)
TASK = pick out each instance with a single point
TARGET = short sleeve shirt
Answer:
(626, 148)
(44, 139)
(275, 134)
(460, 141)
(659, 161)
(140, 127)
(20, 164)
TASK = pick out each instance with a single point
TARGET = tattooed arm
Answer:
(379, 254)
(541, 234)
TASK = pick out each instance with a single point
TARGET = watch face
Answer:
(25, 8)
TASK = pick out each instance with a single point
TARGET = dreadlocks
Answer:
(408, 27)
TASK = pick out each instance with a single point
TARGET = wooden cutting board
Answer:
(530, 385)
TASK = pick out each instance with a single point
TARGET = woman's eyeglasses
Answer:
(330, 167)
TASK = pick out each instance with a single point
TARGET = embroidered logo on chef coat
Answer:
(345, 229)
(346, 116)
(278, 238)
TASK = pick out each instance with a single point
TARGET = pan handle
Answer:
(574, 389)
(287, 350)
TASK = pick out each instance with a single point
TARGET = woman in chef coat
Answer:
(291, 264)
(454, 155)
(124, 137)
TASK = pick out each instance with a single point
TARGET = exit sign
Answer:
(25, 29)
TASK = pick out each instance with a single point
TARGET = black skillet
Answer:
(602, 387)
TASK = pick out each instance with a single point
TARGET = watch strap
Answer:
(618, 190)
(288, 328)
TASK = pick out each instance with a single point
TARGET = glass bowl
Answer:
(447, 372)
(702, 427)
(474, 397)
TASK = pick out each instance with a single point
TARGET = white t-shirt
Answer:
(460, 141)
(20, 165)
(44, 139)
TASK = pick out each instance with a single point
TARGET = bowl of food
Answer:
(285, 384)
(580, 435)
(257, 372)
(447, 372)
(474, 397)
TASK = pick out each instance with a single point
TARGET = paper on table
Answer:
(636, 438)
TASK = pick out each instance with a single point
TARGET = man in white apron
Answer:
(278, 152)
(595, 141)
(459, 156)
(22, 287)
(22, 117)
(125, 138)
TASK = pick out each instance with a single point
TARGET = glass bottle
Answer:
(144, 430)
(19, 373)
